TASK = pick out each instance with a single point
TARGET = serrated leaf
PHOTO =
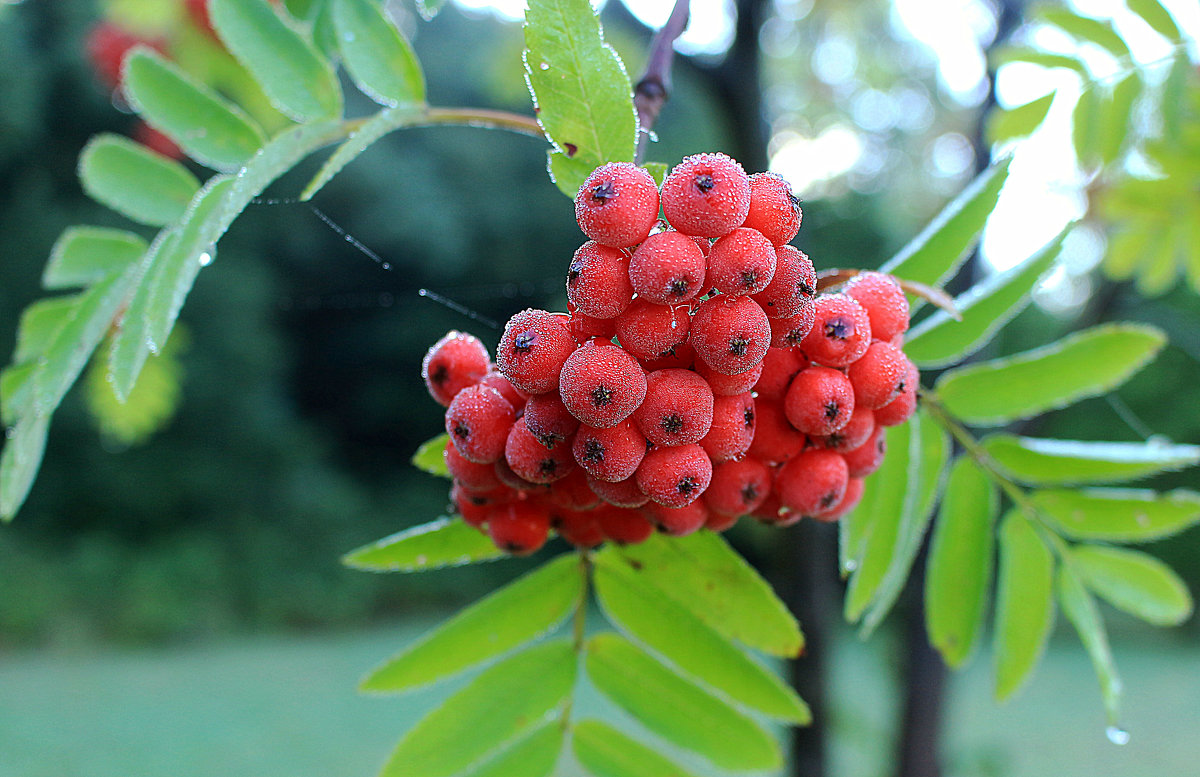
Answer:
(1117, 114)
(445, 542)
(521, 611)
(1080, 609)
(1085, 28)
(211, 130)
(676, 709)
(1081, 365)
(83, 255)
(1024, 603)
(1134, 582)
(1155, 15)
(708, 577)
(1119, 515)
(40, 322)
(959, 570)
(500, 704)
(1020, 121)
(581, 91)
(151, 404)
(606, 752)
(1071, 462)
(932, 449)
(940, 340)
(430, 457)
(667, 628)
(533, 756)
(16, 391)
(376, 55)
(135, 181)
(359, 141)
(1041, 58)
(294, 76)
(24, 446)
(939, 250)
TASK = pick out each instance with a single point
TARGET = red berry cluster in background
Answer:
(697, 377)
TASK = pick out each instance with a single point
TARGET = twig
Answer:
(654, 87)
(827, 279)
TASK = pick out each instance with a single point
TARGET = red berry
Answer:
(729, 385)
(819, 401)
(850, 500)
(519, 528)
(856, 432)
(532, 460)
(793, 285)
(624, 493)
(866, 458)
(674, 476)
(790, 332)
(774, 210)
(573, 492)
(730, 334)
(611, 454)
(813, 481)
(677, 410)
(668, 268)
(478, 421)
(617, 205)
(598, 280)
(549, 420)
(515, 482)
(623, 526)
(532, 350)
(678, 521)
(779, 366)
(884, 301)
(107, 44)
(602, 384)
(473, 477)
(706, 195)
(719, 522)
(156, 141)
(742, 262)
(733, 425)
(773, 513)
(841, 331)
(738, 487)
(578, 527)
(584, 327)
(878, 376)
(648, 330)
(456, 361)
(775, 440)
(681, 356)
(474, 507)
(899, 409)
(514, 395)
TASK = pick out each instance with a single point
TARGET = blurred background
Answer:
(171, 596)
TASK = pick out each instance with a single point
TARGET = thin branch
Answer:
(654, 87)
(827, 279)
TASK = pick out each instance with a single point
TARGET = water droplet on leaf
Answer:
(1117, 735)
(206, 259)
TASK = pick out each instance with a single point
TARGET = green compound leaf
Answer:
(85, 255)
(1116, 115)
(445, 542)
(1020, 121)
(658, 171)
(360, 140)
(376, 55)
(1119, 515)
(39, 323)
(580, 88)
(1024, 603)
(211, 130)
(521, 611)
(1085, 28)
(430, 456)
(1086, 119)
(1082, 365)
(675, 709)
(1041, 58)
(1080, 609)
(606, 752)
(931, 449)
(647, 615)
(297, 80)
(135, 181)
(708, 577)
(939, 250)
(506, 700)
(959, 571)
(1134, 582)
(19, 462)
(16, 391)
(150, 406)
(940, 340)
(1155, 15)
(1072, 462)
(533, 756)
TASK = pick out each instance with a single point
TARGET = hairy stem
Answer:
(654, 87)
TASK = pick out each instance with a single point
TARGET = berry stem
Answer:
(654, 87)
(827, 279)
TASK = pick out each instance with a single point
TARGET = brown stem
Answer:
(483, 117)
(654, 87)
(827, 279)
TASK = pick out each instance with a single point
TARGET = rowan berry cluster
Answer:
(697, 377)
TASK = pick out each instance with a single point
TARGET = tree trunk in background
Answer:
(918, 752)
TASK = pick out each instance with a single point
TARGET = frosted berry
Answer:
(724, 385)
(532, 460)
(624, 493)
(793, 285)
(674, 476)
(813, 481)
(473, 506)
(678, 521)
(678, 408)
(878, 376)
(899, 409)
(680, 356)
(850, 500)
(514, 395)
(515, 482)
(478, 421)
(742, 262)
(617, 205)
(790, 332)
(454, 362)
(598, 280)
(856, 432)
(730, 334)
(774, 210)
(732, 431)
(549, 420)
(623, 526)
(611, 454)
(573, 492)
(775, 440)
(532, 350)
(519, 528)
(866, 458)
(648, 330)
(720, 522)
(819, 401)
(601, 384)
(841, 331)
(578, 527)
(738, 487)
(472, 476)
(584, 327)
(884, 300)
(779, 366)
(667, 268)
(706, 195)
